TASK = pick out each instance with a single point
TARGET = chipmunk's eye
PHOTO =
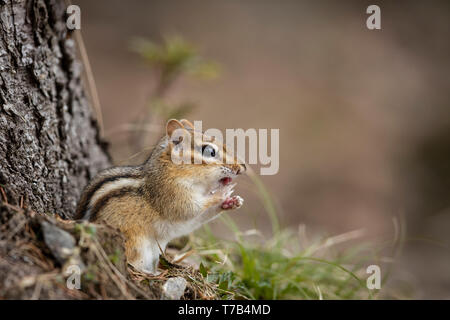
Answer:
(208, 151)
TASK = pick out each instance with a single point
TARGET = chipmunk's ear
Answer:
(173, 125)
(175, 131)
(187, 124)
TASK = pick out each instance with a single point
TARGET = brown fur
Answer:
(132, 216)
(157, 195)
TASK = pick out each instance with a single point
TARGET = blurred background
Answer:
(364, 115)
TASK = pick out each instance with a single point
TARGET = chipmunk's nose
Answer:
(241, 168)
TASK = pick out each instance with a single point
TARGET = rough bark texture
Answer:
(49, 142)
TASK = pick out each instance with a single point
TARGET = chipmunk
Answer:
(155, 202)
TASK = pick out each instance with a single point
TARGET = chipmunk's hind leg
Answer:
(146, 256)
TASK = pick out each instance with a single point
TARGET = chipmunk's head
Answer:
(201, 160)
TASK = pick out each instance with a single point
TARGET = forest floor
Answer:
(43, 256)
(40, 256)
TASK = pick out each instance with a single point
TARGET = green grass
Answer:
(279, 269)
(286, 265)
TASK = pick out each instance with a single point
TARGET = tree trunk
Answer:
(49, 139)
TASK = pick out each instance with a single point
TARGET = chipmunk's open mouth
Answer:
(225, 181)
(224, 185)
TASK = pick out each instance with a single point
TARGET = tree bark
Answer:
(49, 140)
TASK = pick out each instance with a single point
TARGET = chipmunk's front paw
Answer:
(232, 203)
